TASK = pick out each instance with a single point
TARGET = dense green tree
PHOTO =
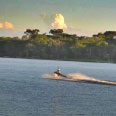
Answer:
(100, 47)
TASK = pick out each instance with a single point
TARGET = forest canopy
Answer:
(61, 46)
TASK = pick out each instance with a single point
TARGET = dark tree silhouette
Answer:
(56, 31)
(110, 33)
(31, 33)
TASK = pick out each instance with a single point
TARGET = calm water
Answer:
(23, 91)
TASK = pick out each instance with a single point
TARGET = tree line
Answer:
(59, 45)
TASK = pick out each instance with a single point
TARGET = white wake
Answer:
(76, 77)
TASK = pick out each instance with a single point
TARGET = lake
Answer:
(24, 91)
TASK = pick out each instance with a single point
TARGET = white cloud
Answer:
(1, 25)
(8, 25)
(59, 22)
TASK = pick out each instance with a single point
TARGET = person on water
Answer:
(58, 71)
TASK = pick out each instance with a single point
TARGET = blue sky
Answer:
(86, 17)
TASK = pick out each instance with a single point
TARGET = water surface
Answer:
(23, 91)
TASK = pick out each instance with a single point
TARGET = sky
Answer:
(81, 17)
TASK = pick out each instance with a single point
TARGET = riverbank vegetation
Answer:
(61, 46)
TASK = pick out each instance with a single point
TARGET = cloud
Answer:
(1, 25)
(59, 22)
(8, 25)
(46, 18)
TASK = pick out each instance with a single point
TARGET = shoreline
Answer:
(75, 60)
